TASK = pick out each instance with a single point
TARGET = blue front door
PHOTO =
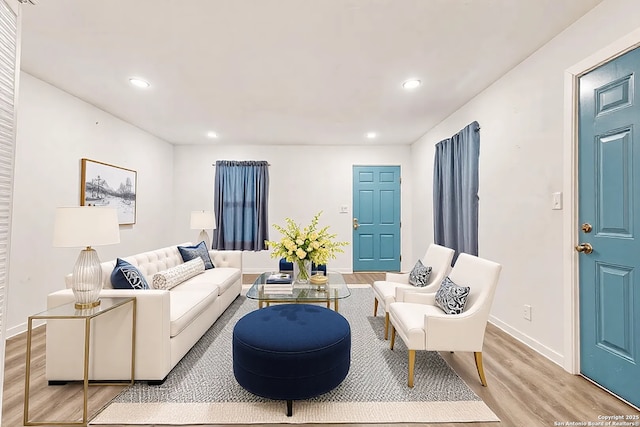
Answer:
(376, 218)
(609, 215)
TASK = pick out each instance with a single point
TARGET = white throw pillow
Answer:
(173, 276)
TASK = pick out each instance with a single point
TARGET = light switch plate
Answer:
(556, 201)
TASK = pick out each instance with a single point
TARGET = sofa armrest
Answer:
(419, 298)
(455, 332)
(226, 258)
(153, 351)
(59, 298)
(402, 291)
(398, 278)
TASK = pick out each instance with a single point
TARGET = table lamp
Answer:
(203, 221)
(86, 226)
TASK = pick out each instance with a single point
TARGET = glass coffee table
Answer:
(334, 290)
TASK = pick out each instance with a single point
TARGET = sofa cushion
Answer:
(151, 262)
(187, 302)
(200, 250)
(127, 276)
(173, 276)
(148, 263)
(222, 278)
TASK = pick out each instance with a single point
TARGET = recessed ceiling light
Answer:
(138, 82)
(411, 84)
(371, 135)
(212, 134)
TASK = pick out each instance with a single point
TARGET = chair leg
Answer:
(478, 356)
(393, 337)
(412, 363)
(386, 325)
(375, 306)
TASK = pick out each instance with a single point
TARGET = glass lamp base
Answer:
(87, 279)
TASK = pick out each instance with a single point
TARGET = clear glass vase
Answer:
(302, 271)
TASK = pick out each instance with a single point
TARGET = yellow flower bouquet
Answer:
(303, 246)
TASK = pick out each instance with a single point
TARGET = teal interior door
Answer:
(376, 218)
(609, 214)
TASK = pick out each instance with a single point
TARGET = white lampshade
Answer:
(82, 226)
(86, 226)
(203, 220)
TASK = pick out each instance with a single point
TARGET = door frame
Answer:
(570, 261)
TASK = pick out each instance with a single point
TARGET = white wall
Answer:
(521, 164)
(303, 181)
(55, 130)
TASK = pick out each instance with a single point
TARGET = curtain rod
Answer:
(214, 165)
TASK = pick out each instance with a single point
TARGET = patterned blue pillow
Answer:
(451, 298)
(126, 276)
(419, 276)
(200, 250)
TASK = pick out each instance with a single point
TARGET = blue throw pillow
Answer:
(192, 252)
(126, 276)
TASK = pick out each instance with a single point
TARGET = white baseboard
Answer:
(22, 328)
(545, 351)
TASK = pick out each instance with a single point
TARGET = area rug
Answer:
(201, 389)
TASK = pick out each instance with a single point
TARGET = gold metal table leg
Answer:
(87, 332)
(27, 375)
(85, 403)
(27, 381)
(134, 316)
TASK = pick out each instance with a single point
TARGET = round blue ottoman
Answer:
(291, 351)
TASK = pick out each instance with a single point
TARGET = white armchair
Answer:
(394, 286)
(424, 326)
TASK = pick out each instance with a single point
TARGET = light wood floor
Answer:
(524, 388)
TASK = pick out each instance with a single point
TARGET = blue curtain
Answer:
(455, 191)
(240, 204)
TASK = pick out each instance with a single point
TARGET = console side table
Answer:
(68, 311)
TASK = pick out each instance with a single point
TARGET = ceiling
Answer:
(320, 72)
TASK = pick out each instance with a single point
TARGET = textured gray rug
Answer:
(374, 391)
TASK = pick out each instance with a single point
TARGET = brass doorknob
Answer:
(355, 223)
(586, 227)
(584, 247)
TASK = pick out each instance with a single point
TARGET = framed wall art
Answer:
(107, 185)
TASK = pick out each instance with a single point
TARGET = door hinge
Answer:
(400, 257)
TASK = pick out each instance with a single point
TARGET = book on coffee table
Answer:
(279, 278)
(278, 289)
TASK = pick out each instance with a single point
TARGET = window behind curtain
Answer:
(241, 203)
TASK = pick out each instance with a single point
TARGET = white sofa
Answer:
(168, 324)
